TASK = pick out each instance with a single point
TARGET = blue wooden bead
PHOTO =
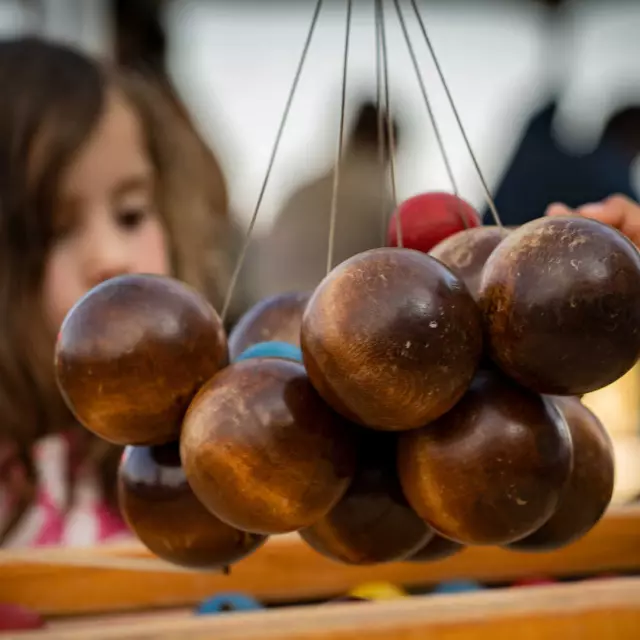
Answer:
(458, 586)
(271, 349)
(227, 602)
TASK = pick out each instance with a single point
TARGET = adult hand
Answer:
(620, 212)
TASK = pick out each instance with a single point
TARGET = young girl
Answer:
(99, 176)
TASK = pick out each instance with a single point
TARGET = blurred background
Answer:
(233, 62)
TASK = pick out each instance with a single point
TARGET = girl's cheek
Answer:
(153, 249)
(60, 287)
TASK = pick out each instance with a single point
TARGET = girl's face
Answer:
(107, 222)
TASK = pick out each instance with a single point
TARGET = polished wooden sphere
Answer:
(436, 548)
(391, 339)
(132, 353)
(373, 522)
(590, 487)
(492, 470)
(263, 451)
(161, 509)
(466, 252)
(277, 318)
(561, 305)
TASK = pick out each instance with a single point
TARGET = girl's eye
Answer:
(131, 218)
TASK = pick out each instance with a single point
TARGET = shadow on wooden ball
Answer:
(161, 509)
(561, 305)
(372, 523)
(437, 548)
(391, 339)
(492, 469)
(132, 353)
(590, 487)
(263, 451)
(274, 319)
(466, 252)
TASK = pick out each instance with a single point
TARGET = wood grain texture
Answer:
(286, 569)
(391, 339)
(133, 352)
(561, 305)
(592, 611)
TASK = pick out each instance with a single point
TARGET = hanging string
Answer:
(243, 252)
(427, 104)
(490, 202)
(390, 132)
(381, 110)
(336, 171)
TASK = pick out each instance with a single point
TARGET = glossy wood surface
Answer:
(561, 305)
(391, 339)
(492, 469)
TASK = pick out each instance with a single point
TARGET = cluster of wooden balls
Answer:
(416, 403)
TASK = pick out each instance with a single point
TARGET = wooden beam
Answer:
(589, 611)
(287, 570)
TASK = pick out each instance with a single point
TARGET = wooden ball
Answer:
(590, 487)
(466, 252)
(492, 470)
(391, 339)
(161, 509)
(277, 318)
(132, 353)
(263, 451)
(437, 548)
(427, 218)
(373, 522)
(561, 304)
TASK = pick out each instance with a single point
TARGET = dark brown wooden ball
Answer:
(466, 252)
(263, 451)
(275, 318)
(391, 339)
(132, 353)
(561, 305)
(437, 548)
(590, 487)
(492, 469)
(161, 509)
(373, 523)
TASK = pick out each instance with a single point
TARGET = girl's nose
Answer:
(107, 257)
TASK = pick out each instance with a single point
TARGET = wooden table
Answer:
(125, 578)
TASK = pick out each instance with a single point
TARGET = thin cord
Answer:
(392, 145)
(490, 202)
(285, 114)
(381, 111)
(427, 104)
(336, 171)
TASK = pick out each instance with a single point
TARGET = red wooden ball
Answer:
(132, 353)
(391, 339)
(492, 470)
(373, 522)
(437, 548)
(428, 218)
(277, 318)
(561, 305)
(263, 451)
(590, 487)
(466, 252)
(161, 509)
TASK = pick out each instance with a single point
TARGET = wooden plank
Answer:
(286, 570)
(589, 611)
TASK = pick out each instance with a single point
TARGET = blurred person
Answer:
(141, 44)
(98, 178)
(293, 255)
(619, 211)
(542, 172)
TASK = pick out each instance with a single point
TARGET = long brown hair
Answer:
(52, 98)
